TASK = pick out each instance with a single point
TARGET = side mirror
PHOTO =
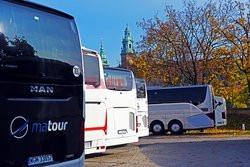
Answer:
(220, 103)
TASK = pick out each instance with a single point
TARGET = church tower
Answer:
(105, 61)
(127, 50)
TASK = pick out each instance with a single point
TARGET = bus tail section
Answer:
(96, 110)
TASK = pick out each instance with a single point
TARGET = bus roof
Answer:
(176, 87)
(118, 69)
(89, 52)
(41, 7)
(87, 49)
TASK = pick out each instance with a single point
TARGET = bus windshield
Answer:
(92, 70)
(116, 79)
(31, 40)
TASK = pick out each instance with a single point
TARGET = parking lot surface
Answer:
(178, 151)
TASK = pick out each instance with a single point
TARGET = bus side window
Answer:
(196, 103)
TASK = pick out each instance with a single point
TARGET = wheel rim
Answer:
(175, 127)
(157, 128)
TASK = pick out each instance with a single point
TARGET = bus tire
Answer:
(157, 128)
(175, 127)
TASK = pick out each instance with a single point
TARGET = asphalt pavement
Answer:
(178, 151)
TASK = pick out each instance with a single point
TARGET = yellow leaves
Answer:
(245, 40)
(130, 61)
(222, 51)
(234, 49)
(150, 40)
(211, 18)
(241, 21)
(214, 24)
(230, 37)
(216, 37)
(231, 26)
(216, 30)
(170, 53)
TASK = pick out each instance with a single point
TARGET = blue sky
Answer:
(107, 19)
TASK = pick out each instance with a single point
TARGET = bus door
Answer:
(142, 108)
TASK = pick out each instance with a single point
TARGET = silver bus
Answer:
(177, 109)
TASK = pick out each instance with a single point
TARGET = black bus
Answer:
(41, 87)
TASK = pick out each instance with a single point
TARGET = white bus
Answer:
(121, 106)
(142, 108)
(196, 110)
(220, 111)
(41, 87)
(96, 110)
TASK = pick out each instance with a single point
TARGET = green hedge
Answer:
(235, 121)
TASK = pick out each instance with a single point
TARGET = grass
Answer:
(214, 131)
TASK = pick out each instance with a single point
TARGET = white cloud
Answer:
(1, 28)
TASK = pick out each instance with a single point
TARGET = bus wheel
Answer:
(157, 128)
(175, 127)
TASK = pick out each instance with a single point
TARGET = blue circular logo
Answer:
(19, 127)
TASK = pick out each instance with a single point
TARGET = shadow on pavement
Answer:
(105, 153)
(199, 153)
(96, 155)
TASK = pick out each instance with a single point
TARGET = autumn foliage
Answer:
(207, 44)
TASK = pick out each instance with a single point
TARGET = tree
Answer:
(233, 25)
(154, 70)
(3, 45)
(198, 45)
(186, 38)
(20, 47)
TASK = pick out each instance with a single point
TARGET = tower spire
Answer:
(127, 47)
(105, 61)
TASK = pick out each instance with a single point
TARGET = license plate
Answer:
(42, 159)
(122, 131)
(87, 144)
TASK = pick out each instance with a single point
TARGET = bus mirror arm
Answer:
(218, 104)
